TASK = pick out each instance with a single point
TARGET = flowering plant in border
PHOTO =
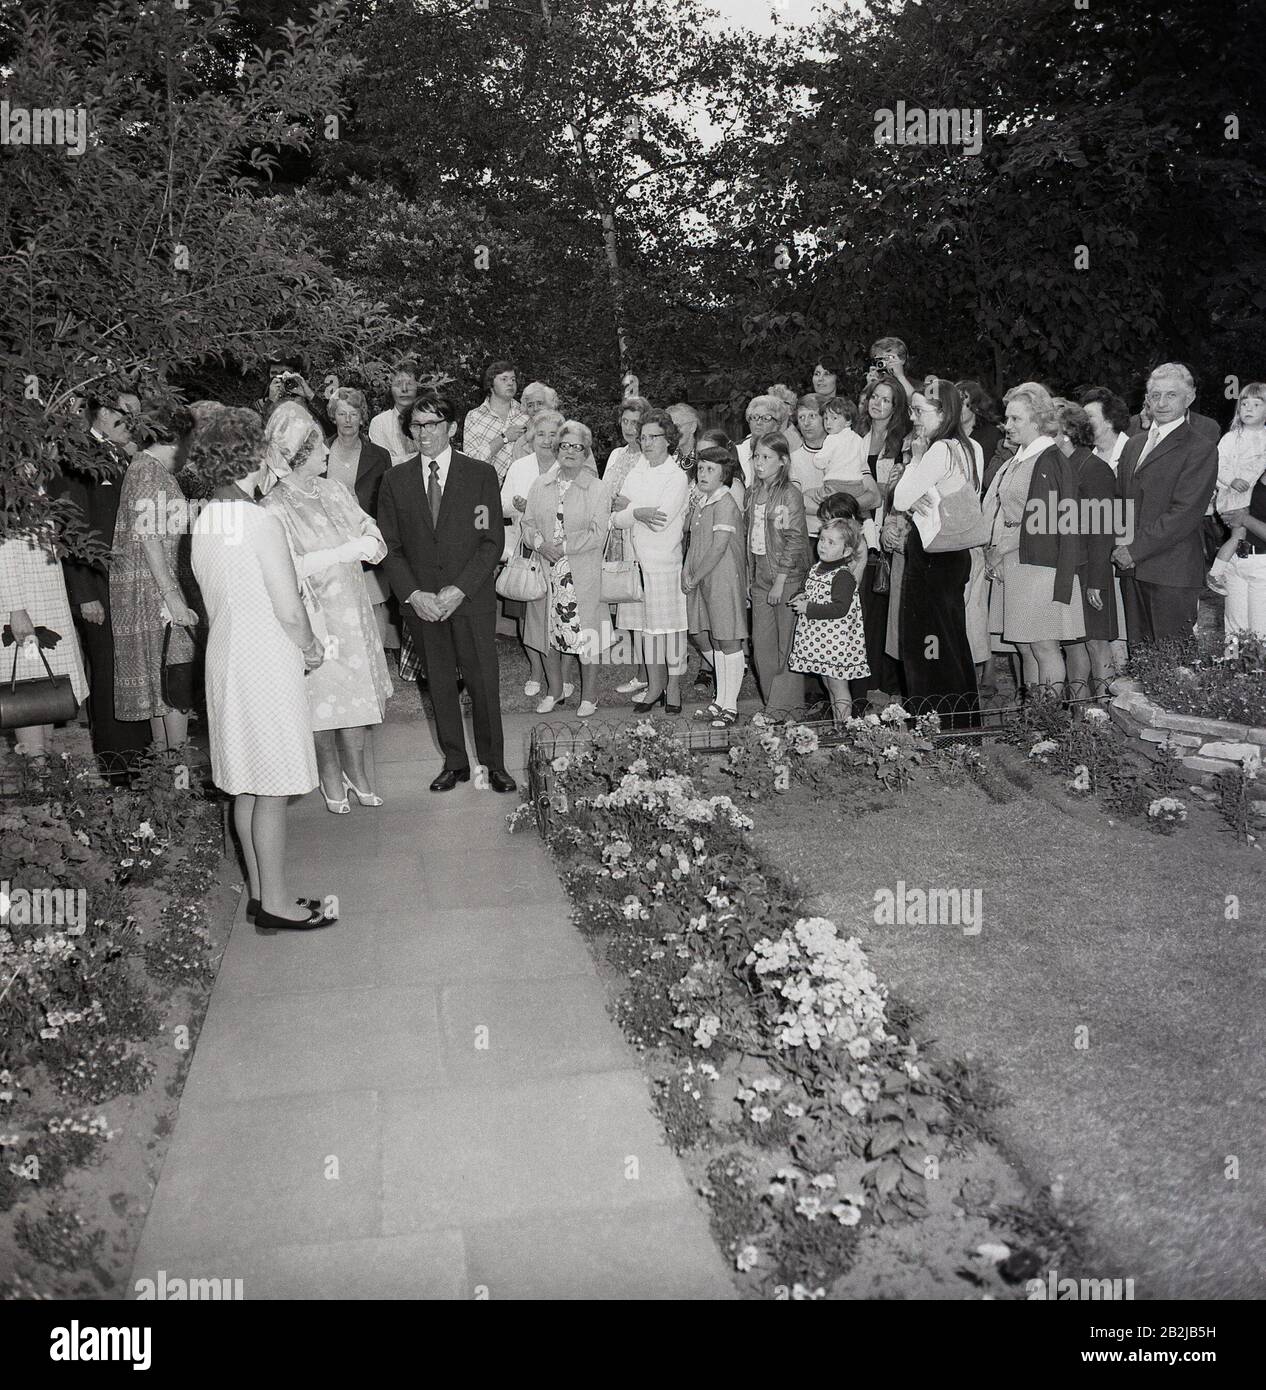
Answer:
(724, 972)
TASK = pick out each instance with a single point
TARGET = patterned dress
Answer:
(257, 706)
(830, 646)
(151, 505)
(564, 611)
(351, 687)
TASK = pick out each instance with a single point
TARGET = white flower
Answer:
(846, 1214)
(792, 1110)
(145, 831)
(892, 752)
(1167, 808)
(760, 1114)
(809, 1206)
(1095, 715)
(747, 1258)
(852, 1101)
(894, 714)
(1043, 747)
(825, 1181)
(561, 763)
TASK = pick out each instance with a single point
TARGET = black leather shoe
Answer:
(449, 778)
(501, 781)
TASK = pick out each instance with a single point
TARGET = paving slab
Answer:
(466, 1155)
(606, 1255)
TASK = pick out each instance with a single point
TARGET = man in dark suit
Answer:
(1165, 480)
(115, 741)
(440, 515)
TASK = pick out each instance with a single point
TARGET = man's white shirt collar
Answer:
(1163, 430)
(443, 459)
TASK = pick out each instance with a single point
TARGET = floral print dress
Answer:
(564, 612)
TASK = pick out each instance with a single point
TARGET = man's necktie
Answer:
(433, 494)
(1153, 438)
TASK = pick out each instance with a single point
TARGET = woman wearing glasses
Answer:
(565, 521)
(656, 492)
(766, 415)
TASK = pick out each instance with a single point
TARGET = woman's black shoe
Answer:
(660, 699)
(252, 906)
(266, 923)
(669, 707)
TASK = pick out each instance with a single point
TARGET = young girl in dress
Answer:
(714, 580)
(778, 560)
(830, 640)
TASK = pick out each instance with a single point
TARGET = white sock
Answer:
(729, 679)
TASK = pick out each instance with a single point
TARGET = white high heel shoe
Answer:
(337, 808)
(365, 798)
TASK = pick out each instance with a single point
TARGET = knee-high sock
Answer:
(729, 678)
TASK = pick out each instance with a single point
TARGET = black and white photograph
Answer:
(634, 666)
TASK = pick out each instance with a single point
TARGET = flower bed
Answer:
(777, 1057)
(104, 923)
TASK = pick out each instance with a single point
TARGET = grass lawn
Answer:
(1092, 925)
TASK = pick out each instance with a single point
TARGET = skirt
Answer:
(1023, 609)
(663, 605)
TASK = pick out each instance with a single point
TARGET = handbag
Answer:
(38, 700)
(963, 524)
(176, 678)
(621, 579)
(523, 579)
(882, 582)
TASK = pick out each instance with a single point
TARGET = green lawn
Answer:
(1088, 925)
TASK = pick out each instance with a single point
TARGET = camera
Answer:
(878, 364)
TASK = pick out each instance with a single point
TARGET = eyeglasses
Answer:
(570, 448)
(644, 436)
(425, 424)
(761, 419)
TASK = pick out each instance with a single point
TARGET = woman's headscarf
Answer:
(289, 434)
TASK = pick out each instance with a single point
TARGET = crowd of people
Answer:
(922, 541)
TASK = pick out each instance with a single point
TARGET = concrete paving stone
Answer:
(464, 1155)
(253, 1173)
(344, 956)
(494, 1031)
(494, 879)
(293, 1044)
(430, 1265)
(607, 1255)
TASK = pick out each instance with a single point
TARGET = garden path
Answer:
(427, 1100)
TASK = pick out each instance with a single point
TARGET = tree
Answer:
(147, 255)
(1105, 224)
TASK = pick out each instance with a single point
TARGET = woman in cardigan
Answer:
(1035, 597)
(778, 560)
(657, 493)
(1090, 664)
(360, 465)
(566, 519)
(884, 427)
(936, 653)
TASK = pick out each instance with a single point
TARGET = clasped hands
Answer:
(436, 608)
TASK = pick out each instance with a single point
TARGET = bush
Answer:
(1197, 675)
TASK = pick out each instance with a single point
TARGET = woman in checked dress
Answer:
(259, 646)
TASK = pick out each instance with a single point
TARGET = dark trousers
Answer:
(1156, 611)
(116, 740)
(471, 644)
(1212, 534)
(935, 652)
(885, 673)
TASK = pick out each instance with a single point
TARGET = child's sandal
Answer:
(726, 719)
(713, 711)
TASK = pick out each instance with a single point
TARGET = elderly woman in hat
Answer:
(330, 535)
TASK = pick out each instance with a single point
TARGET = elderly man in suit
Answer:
(1165, 480)
(440, 515)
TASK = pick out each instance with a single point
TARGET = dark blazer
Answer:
(1045, 542)
(1095, 483)
(464, 549)
(1002, 452)
(373, 466)
(1166, 499)
(97, 497)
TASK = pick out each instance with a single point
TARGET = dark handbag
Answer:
(177, 678)
(882, 581)
(40, 700)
